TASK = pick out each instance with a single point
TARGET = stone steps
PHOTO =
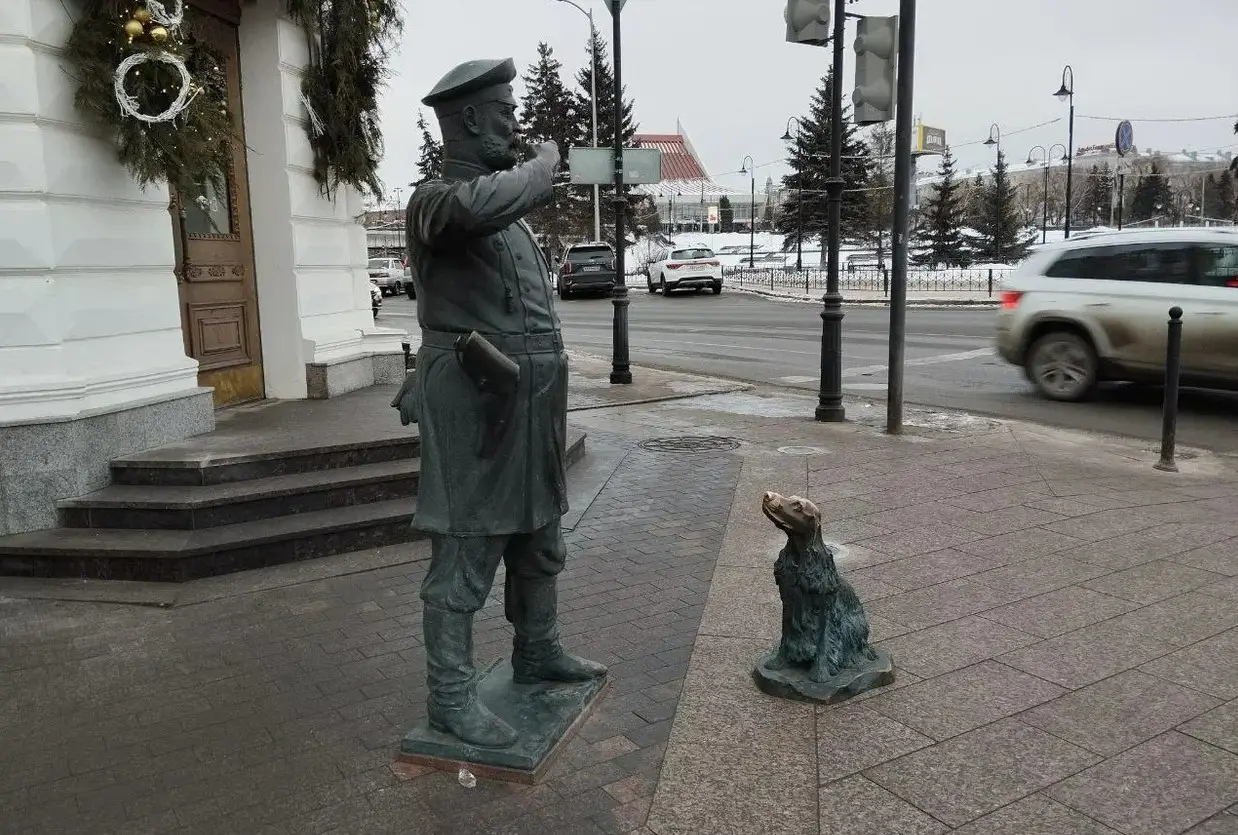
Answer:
(196, 510)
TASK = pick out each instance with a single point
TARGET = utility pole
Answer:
(903, 176)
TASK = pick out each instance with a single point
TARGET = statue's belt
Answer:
(508, 343)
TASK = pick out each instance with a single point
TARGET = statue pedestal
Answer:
(544, 715)
(795, 683)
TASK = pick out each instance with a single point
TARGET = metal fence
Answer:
(986, 281)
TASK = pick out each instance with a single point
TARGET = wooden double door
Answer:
(215, 244)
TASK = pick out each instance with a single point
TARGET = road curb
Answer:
(925, 303)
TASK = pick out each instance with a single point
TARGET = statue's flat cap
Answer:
(470, 78)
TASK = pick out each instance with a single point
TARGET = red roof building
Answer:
(683, 173)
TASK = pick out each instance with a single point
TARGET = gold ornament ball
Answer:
(134, 29)
(158, 34)
(142, 15)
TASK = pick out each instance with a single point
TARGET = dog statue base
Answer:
(823, 655)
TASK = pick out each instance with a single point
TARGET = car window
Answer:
(1159, 263)
(589, 253)
(689, 254)
(1219, 266)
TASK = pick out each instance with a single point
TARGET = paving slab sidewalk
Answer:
(1062, 616)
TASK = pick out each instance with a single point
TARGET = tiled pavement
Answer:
(1063, 618)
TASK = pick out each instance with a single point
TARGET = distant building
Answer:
(686, 192)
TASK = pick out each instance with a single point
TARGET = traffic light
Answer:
(876, 56)
(808, 22)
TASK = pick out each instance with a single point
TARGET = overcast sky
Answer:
(723, 68)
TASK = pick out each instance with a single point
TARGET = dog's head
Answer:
(794, 515)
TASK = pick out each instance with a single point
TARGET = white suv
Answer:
(694, 267)
(1096, 308)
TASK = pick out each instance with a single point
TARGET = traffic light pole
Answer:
(904, 172)
(621, 369)
(830, 397)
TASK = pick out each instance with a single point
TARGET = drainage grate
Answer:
(690, 443)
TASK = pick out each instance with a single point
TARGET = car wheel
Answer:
(564, 294)
(662, 286)
(718, 289)
(397, 288)
(410, 290)
(1063, 366)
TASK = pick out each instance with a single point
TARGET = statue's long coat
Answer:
(476, 266)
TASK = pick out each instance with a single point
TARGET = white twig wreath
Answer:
(129, 105)
(160, 14)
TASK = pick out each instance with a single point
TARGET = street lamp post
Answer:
(749, 167)
(995, 137)
(799, 194)
(621, 368)
(830, 396)
(593, 78)
(1067, 93)
(1031, 160)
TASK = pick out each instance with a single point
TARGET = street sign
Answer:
(930, 140)
(596, 166)
(713, 215)
(1124, 138)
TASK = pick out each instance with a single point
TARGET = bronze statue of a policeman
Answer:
(490, 398)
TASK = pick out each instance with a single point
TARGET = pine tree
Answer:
(1219, 199)
(879, 217)
(597, 46)
(549, 112)
(726, 214)
(430, 162)
(941, 240)
(1098, 195)
(808, 157)
(1002, 239)
(1152, 194)
(973, 203)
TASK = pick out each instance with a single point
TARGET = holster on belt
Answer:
(497, 377)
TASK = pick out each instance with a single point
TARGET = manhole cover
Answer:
(690, 443)
(802, 450)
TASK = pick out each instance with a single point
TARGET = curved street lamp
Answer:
(799, 194)
(1045, 155)
(593, 78)
(749, 167)
(995, 137)
(1066, 93)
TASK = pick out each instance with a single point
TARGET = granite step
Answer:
(175, 507)
(177, 556)
(194, 464)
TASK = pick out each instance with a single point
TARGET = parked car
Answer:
(376, 298)
(408, 281)
(388, 273)
(1079, 312)
(586, 268)
(690, 268)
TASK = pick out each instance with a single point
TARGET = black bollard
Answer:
(1169, 422)
(990, 282)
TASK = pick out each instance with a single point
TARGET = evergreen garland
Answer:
(193, 148)
(352, 41)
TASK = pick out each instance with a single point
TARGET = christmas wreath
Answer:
(142, 74)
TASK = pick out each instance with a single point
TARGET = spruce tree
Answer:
(1219, 201)
(1152, 194)
(549, 112)
(1002, 239)
(430, 161)
(941, 241)
(726, 214)
(1098, 195)
(809, 160)
(879, 217)
(597, 46)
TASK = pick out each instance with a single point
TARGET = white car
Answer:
(1082, 311)
(692, 267)
(388, 274)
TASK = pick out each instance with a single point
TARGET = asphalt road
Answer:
(950, 359)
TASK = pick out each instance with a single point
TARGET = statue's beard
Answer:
(499, 154)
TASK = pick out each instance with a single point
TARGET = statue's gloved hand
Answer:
(548, 152)
(406, 400)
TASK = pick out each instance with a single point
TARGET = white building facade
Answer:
(109, 343)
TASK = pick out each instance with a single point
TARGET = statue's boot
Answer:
(452, 706)
(537, 654)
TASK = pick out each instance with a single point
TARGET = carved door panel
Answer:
(218, 291)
